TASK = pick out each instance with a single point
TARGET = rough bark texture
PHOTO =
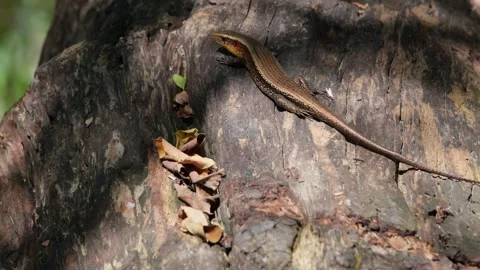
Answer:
(81, 195)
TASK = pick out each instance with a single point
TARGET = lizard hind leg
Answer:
(300, 80)
(283, 103)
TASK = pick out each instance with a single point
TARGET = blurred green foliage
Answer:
(23, 28)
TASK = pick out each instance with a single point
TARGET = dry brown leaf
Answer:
(212, 181)
(212, 198)
(188, 225)
(195, 146)
(184, 136)
(206, 195)
(195, 215)
(194, 222)
(168, 151)
(173, 166)
(213, 232)
(192, 199)
(160, 148)
(199, 162)
(181, 98)
(202, 201)
(195, 177)
(185, 112)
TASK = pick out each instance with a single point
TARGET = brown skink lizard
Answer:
(274, 82)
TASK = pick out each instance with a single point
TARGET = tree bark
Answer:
(82, 187)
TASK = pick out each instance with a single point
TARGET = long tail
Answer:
(399, 158)
(354, 137)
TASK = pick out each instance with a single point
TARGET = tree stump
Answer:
(82, 187)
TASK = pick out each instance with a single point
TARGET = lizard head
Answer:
(232, 41)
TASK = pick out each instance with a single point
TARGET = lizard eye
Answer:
(224, 39)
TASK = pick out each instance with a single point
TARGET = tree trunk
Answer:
(82, 186)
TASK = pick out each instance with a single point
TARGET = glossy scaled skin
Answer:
(273, 81)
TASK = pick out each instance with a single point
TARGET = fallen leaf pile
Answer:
(197, 182)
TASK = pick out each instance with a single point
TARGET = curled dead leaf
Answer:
(188, 225)
(213, 232)
(185, 112)
(160, 148)
(212, 181)
(193, 221)
(194, 200)
(173, 166)
(168, 151)
(184, 136)
(195, 215)
(196, 172)
(195, 146)
(196, 223)
(199, 162)
(181, 98)
(196, 177)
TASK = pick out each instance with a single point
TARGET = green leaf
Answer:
(179, 81)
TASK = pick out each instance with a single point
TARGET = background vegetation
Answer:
(23, 28)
